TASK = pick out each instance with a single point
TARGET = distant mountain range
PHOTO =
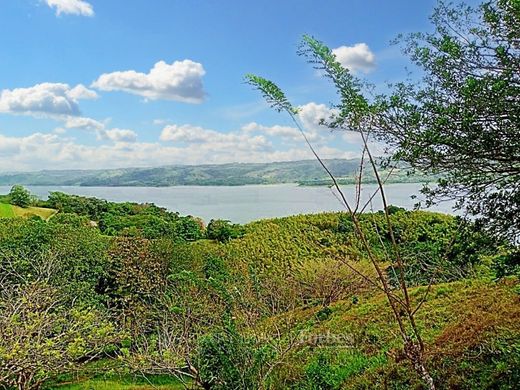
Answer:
(306, 172)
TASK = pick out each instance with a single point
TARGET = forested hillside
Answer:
(307, 172)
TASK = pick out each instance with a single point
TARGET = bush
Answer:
(20, 196)
(507, 264)
(223, 230)
(41, 338)
(227, 360)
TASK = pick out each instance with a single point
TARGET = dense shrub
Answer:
(223, 230)
(41, 336)
(128, 219)
(19, 196)
(225, 359)
(507, 263)
(70, 258)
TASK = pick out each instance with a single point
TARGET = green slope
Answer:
(307, 172)
(11, 211)
(6, 211)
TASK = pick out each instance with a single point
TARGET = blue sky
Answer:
(106, 84)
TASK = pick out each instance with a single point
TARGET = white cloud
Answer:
(72, 7)
(81, 92)
(118, 135)
(357, 58)
(45, 99)
(180, 81)
(100, 129)
(312, 114)
(83, 123)
(59, 130)
(274, 131)
(211, 139)
(354, 138)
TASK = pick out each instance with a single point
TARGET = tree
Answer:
(40, 337)
(20, 196)
(223, 230)
(462, 120)
(356, 111)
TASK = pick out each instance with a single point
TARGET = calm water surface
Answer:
(244, 203)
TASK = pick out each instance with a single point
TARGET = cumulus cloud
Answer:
(118, 135)
(275, 131)
(179, 81)
(72, 7)
(230, 142)
(100, 129)
(357, 58)
(45, 99)
(312, 114)
(81, 92)
(83, 123)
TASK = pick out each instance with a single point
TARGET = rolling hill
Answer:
(306, 172)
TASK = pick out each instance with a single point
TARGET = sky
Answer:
(90, 84)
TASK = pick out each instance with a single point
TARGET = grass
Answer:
(6, 211)
(102, 384)
(114, 382)
(11, 211)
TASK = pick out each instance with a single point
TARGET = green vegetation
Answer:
(306, 172)
(462, 120)
(126, 295)
(10, 211)
(6, 211)
(19, 196)
(113, 381)
(276, 307)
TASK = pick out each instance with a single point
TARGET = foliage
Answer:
(41, 337)
(329, 370)
(114, 381)
(227, 360)
(223, 230)
(507, 263)
(231, 313)
(19, 196)
(6, 211)
(462, 120)
(65, 203)
(70, 259)
(135, 282)
(129, 219)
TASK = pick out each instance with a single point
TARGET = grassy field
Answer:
(114, 382)
(101, 384)
(10, 211)
(6, 211)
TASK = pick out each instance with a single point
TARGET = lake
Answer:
(243, 204)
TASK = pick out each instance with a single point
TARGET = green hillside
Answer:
(307, 172)
(6, 211)
(284, 303)
(11, 211)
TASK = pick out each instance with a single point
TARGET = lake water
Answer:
(243, 204)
